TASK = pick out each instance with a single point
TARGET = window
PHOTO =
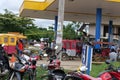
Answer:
(67, 45)
(73, 45)
(5, 40)
(12, 40)
(0, 40)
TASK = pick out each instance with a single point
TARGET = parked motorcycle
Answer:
(17, 69)
(111, 73)
(21, 66)
(32, 66)
(55, 72)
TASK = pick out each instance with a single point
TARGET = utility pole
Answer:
(60, 26)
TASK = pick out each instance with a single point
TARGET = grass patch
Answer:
(96, 69)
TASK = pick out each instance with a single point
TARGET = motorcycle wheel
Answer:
(15, 76)
(32, 74)
(47, 77)
(72, 78)
(64, 56)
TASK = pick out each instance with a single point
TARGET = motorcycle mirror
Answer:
(45, 55)
(56, 47)
(3, 45)
(107, 61)
(83, 68)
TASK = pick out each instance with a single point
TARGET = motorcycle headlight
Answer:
(83, 68)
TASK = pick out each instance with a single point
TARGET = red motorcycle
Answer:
(32, 67)
(23, 66)
(110, 73)
(55, 72)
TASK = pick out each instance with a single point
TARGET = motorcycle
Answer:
(110, 74)
(32, 66)
(55, 72)
(21, 67)
(17, 69)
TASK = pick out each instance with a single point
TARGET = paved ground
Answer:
(68, 64)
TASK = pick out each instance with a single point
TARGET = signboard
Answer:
(71, 52)
(87, 52)
(84, 53)
(89, 59)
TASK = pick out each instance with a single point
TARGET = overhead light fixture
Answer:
(71, 0)
(42, 0)
(39, 0)
(114, 0)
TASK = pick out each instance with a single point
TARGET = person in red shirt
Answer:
(19, 47)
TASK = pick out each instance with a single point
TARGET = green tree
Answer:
(69, 32)
(10, 22)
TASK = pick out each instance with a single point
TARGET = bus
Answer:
(9, 40)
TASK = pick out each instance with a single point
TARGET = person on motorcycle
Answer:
(48, 51)
(4, 59)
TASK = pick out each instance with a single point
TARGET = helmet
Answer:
(3, 45)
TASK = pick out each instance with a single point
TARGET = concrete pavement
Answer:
(68, 64)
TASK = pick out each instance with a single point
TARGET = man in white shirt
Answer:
(113, 55)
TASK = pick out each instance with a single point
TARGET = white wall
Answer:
(92, 30)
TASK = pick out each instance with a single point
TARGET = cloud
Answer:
(14, 6)
(11, 5)
(44, 22)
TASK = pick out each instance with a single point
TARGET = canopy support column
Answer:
(60, 26)
(110, 31)
(98, 26)
(55, 27)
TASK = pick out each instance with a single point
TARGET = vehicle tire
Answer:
(2, 67)
(64, 56)
(15, 76)
(72, 78)
(47, 77)
(32, 74)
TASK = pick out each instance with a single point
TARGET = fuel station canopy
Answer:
(75, 10)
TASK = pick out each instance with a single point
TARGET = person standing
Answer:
(113, 55)
(53, 46)
(19, 47)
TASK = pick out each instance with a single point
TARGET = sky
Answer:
(14, 6)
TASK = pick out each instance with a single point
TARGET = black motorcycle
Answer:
(55, 72)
